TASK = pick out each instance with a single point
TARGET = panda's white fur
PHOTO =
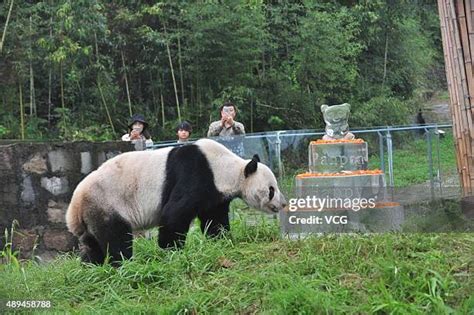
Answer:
(133, 190)
(128, 192)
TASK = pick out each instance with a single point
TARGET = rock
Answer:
(101, 158)
(55, 185)
(6, 160)
(59, 161)
(59, 240)
(28, 195)
(24, 240)
(56, 211)
(37, 164)
(111, 154)
(86, 162)
(467, 206)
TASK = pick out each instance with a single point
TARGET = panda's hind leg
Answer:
(90, 249)
(114, 237)
(215, 221)
(174, 224)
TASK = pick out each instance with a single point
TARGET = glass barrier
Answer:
(417, 173)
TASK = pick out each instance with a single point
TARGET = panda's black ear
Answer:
(251, 167)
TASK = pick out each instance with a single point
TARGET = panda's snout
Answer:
(274, 209)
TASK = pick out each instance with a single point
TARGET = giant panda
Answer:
(168, 188)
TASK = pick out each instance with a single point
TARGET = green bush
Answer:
(381, 111)
(3, 131)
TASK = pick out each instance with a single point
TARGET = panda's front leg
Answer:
(215, 221)
(174, 225)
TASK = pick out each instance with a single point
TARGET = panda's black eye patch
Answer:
(271, 193)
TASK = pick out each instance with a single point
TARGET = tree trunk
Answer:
(6, 26)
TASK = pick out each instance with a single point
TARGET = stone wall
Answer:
(36, 184)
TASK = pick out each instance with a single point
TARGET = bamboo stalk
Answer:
(466, 50)
(172, 75)
(466, 54)
(126, 84)
(251, 115)
(457, 35)
(105, 105)
(469, 17)
(162, 110)
(50, 75)
(32, 79)
(451, 75)
(62, 84)
(6, 26)
(385, 59)
(466, 122)
(153, 96)
(32, 92)
(181, 79)
(22, 113)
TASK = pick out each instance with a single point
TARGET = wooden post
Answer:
(457, 31)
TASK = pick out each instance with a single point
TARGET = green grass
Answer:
(410, 162)
(253, 270)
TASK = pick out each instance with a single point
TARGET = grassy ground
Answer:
(255, 271)
(410, 161)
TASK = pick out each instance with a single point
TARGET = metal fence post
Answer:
(381, 151)
(430, 161)
(278, 154)
(390, 157)
(438, 157)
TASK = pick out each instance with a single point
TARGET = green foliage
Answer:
(276, 122)
(274, 59)
(335, 40)
(8, 255)
(36, 128)
(71, 131)
(381, 111)
(3, 131)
